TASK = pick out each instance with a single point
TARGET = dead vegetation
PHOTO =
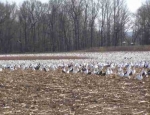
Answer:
(118, 48)
(39, 57)
(55, 93)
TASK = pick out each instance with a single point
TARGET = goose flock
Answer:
(124, 64)
(138, 71)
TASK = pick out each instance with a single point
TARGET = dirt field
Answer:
(39, 57)
(55, 93)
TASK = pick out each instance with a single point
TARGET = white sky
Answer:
(133, 5)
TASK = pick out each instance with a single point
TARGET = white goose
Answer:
(65, 70)
(133, 71)
(120, 69)
(108, 71)
(1, 69)
(76, 69)
(46, 69)
(127, 74)
(12, 68)
(121, 73)
(139, 77)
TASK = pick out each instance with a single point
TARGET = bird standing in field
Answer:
(139, 77)
(1, 69)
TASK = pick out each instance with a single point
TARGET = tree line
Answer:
(141, 28)
(63, 25)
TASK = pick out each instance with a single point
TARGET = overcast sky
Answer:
(133, 5)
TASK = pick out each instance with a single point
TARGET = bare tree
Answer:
(142, 24)
(62, 25)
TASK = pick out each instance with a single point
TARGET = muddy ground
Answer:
(55, 93)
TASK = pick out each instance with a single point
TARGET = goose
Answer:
(87, 72)
(1, 69)
(96, 66)
(100, 73)
(37, 67)
(148, 66)
(54, 67)
(133, 71)
(129, 70)
(64, 70)
(143, 72)
(12, 68)
(83, 69)
(96, 71)
(3, 66)
(70, 69)
(139, 77)
(120, 69)
(103, 74)
(121, 74)
(127, 75)
(33, 69)
(46, 69)
(148, 72)
(129, 67)
(112, 66)
(40, 68)
(23, 67)
(109, 71)
(76, 69)
(142, 64)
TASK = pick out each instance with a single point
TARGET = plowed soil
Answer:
(56, 93)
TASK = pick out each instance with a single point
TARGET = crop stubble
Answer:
(55, 93)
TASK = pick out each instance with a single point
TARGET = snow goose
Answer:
(142, 64)
(87, 71)
(120, 69)
(12, 68)
(65, 70)
(109, 71)
(23, 67)
(70, 69)
(112, 66)
(46, 69)
(148, 66)
(1, 69)
(139, 77)
(95, 71)
(121, 73)
(127, 74)
(133, 71)
(33, 69)
(148, 72)
(143, 72)
(54, 67)
(37, 66)
(76, 69)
